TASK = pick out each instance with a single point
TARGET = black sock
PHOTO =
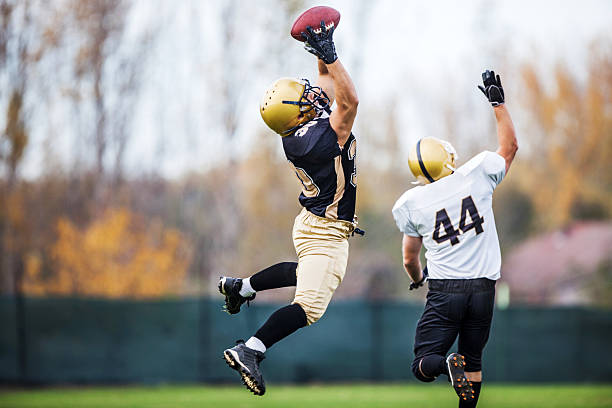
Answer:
(281, 324)
(471, 402)
(433, 365)
(276, 276)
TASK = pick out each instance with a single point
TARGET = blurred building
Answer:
(571, 266)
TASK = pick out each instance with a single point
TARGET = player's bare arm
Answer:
(411, 248)
(493, 90)
(325, 81)
(321, 44)
(342, 118)
(508, 145)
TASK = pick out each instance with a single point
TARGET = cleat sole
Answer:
(247, 379)
(463, 387)
(230, 360)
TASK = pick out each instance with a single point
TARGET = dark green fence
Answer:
(47, 341)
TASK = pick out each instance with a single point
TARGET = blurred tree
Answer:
(272, 191)
(107, 66)
(230, 85)
(12, 216)
(22, 44)
(570, 140)
(117, 255)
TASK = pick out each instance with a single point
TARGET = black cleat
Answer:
(230, 288)
(455, 364)
(246, 362)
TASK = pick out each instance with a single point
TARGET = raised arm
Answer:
(492, 89)
(342, 118)
(506, 136)
(325, 81)
(322, 45)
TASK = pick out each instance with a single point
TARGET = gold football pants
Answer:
(322, 248)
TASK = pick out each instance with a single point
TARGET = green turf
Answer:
(336, 396)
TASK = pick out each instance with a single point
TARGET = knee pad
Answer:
(417, 372)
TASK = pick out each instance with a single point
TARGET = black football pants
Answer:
(455, 307)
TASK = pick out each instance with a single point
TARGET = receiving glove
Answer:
(321, 44)
(492, 88)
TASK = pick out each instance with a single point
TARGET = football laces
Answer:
(327, 27)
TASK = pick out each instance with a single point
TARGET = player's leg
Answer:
(474, 334)
(246, 357)
(315, 294)
(321, 253)
(444, 312)
(319, 275)
(323, 256)
(238, 291)
(281, 275)
(322, 247)
(435, 334)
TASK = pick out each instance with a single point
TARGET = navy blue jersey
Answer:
(327, 172)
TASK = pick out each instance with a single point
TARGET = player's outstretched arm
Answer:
(493, 90)
(325, 81)
(508, 145)
(411, 249)
(343, 117)
(322, 45)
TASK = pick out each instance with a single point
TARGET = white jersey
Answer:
(454, 215)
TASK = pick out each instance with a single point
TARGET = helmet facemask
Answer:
(450, 150)
(313, 97)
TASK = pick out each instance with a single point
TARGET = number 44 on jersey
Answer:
(442, 220)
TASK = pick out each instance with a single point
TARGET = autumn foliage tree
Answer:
(117, 255)
(566, 168)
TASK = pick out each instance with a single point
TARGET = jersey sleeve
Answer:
(401, 214)
(489, 165)
(315, 141)
(494, 168)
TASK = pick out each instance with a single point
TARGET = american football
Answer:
(312, 17)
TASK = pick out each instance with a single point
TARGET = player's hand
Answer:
(492, 88)
(321, 44)
(416, 285)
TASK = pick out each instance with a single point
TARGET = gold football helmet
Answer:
(288, 104)
(430, 159)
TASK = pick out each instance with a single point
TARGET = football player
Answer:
(321, 151)
(451, 215)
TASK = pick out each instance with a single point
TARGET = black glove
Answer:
(321, 44)
(416, 285)
(492, 88)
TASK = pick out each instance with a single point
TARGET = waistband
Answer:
(461, 285)
(345, 226)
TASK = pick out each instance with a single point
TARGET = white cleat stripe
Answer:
(237, 360)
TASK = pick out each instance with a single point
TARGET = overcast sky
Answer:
(414, 52)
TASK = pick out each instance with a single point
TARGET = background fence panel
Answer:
(102, 341)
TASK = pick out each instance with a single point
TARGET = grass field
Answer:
(336, 396)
